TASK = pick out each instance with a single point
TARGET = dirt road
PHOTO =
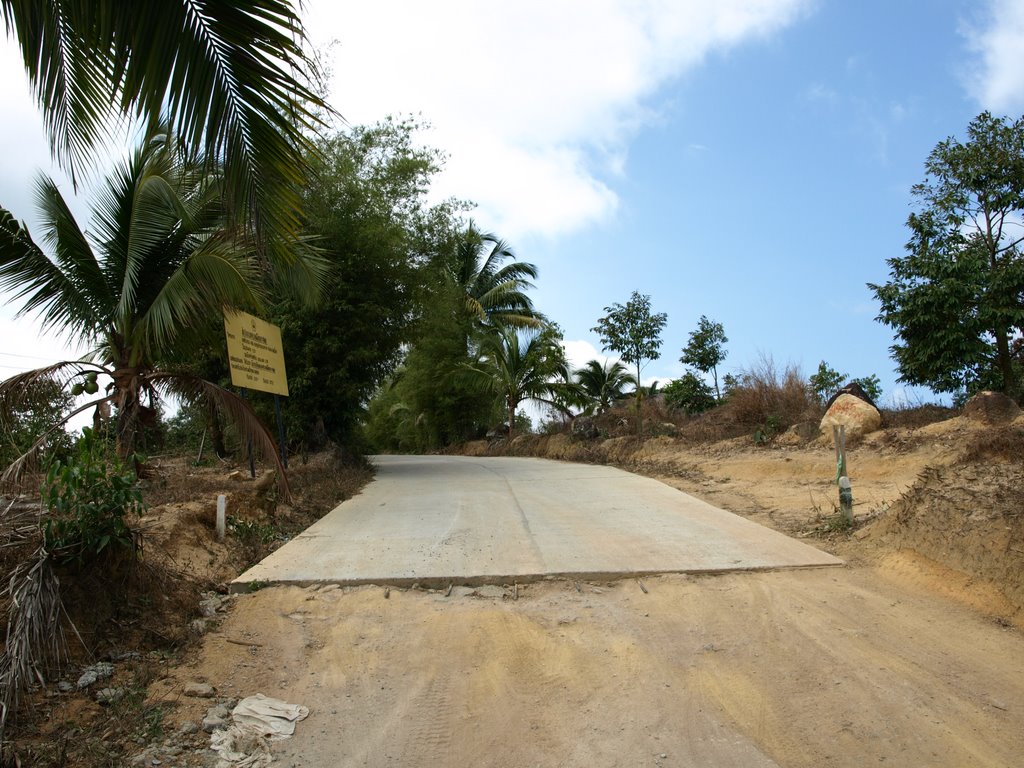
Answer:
(822, 667)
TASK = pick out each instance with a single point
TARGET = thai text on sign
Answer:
(255, 354)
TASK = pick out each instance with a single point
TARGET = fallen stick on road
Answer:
(243, 642)
(642, 587)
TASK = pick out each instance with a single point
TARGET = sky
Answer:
(747, 160)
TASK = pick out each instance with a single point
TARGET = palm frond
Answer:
(149, 213)
(14, 389)
(494, 293)
(73, 82)
(213, 276)
(232, 76)
(61, 291)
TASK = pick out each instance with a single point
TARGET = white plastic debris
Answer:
(272, 718)
(258, 720)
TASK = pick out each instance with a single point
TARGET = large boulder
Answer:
(855, 389)
(991, 408)
(857, 415)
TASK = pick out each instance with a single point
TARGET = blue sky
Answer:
(746, 160)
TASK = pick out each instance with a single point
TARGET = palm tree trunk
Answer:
(216, 431)
(127, 404)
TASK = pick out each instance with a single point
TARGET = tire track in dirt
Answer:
(798, 669)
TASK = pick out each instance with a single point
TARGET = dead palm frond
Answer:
(36, 643)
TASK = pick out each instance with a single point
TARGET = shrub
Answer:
(689, 393)
(37, 410)
(87, 498)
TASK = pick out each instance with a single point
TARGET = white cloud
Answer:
(997, 80)
(579, 352)
(821, 93)
(535, 102)
(23, 346)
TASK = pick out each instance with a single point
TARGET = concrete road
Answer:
(441, 519)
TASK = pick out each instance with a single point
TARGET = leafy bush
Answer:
(254, 538)
(689, 393)
(827, 381)
(87, 497)
(871, 385)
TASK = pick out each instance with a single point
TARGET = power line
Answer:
(26, 357)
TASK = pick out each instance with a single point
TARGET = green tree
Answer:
(366, 210)
(517, 365)
(955, 299)
(603, 383)
(634, 332)
(471, 288)
(229, 76)
(138, 289)
(706, 349)
(690, 394)
(825, 381)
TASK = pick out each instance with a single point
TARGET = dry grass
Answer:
(773, 398)
(996, 444)
(917, 416)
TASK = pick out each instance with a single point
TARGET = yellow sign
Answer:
(255, 354)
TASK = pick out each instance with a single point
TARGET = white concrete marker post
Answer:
(842, 479)
(222, 503)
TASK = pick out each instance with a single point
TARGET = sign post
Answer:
(256, 360)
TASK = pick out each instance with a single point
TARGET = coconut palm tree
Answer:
(229, 75)
(494, 292)
(603, 383)
(518, 365)
(147, 282)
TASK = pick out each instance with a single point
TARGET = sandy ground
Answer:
(829, 667)
(894, 659)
